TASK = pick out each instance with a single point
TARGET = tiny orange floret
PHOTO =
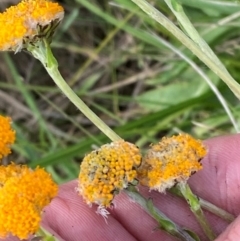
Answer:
(7, 136)
(23, 194)
(103, 172)
(173, 159)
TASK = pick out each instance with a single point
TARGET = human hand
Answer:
(70, 219)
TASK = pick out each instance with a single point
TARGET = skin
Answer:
(70, 219)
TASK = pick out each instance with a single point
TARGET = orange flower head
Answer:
(23, 194)
(173, 159)
(27, 22)
(108, 170)
(7, 136)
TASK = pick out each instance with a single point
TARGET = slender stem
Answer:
(165, 22)
(216, 210)
(206, 78)
(45, 236)
(164, 222)
(208, 206)
(186, 24)
(196, 209)
(43, 53)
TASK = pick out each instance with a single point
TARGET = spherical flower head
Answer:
(108, 170)
(174, 159)
(23, 194)
(27, 22)
(7, 136)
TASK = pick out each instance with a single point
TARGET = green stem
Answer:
(208, 206)
(216, 210)
(196, 209)
(166, 23)
(43, 53)
(185, 23)
(45, 236)
(164, 222)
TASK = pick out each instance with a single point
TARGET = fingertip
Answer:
(232, 232)
(73, 220)
(218, 182)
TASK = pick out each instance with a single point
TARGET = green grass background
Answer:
(112, 55)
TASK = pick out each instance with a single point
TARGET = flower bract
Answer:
(23, 194)
(108, 170)
(7, 136)
(173, 159)
(26, 22)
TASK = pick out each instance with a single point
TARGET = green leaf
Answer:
(166, 96)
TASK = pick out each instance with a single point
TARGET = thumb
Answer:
(232, 233)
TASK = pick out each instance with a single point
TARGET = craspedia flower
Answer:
(7, 136)
(108, 170)
(27, 22)
(23, 194)
(174, 159)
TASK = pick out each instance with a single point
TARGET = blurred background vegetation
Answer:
(112, 55)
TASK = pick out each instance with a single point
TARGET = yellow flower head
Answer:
(23, 194)
(173, 159)
(7, 136)
(108, 170)
(28, 21)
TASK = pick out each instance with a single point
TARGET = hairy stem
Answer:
(163, 221)
(196, 209)
(43, 53)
